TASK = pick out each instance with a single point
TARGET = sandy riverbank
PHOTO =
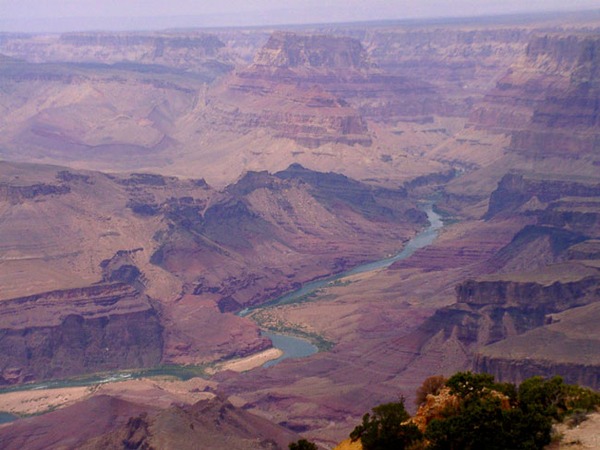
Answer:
(154, 392)
(250, 362)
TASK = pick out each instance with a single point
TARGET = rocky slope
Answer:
(71, 427)
(548, 273)
(277, 221)
(104, 421)
(333, 98)
(512, 287)
(282, 90)
(564, 116)
(206, 422)
(175, 257)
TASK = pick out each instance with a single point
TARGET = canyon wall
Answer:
(548, 100)
(63, 333)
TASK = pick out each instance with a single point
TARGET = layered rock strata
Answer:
(69, 332)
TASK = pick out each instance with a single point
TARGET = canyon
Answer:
(155, 184)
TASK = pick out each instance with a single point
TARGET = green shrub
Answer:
(490, 415)
(302, 444)
(385, 428)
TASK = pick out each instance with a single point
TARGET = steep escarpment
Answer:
(516, 190)
(566, 347)
(516, 311)
(331, 52)
(63, 333)
(283, 91)
(539, 119)
(514, 326)
(564, 210)
(465, 60)
(16, 194)
(548, 100)
(193, 254)
(201, 53)
(281, 221)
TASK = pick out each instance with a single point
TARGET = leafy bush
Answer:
(489, 415)
(302, 444)
(483, 420)
(386, 428)
(431, 385)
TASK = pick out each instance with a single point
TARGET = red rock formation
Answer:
(75, 331)
(71, 427)
(549, 100)
(283, 91)
(291, 50)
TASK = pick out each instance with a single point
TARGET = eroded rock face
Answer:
(310, 117)
(119, 423)
(319, 51)
(16, 194)
(70, 426)
(70, 332)
(549, 100)
(516, 371)
(551, 298)
(296, 217)
(567, 346)
(514, 190)
(201, 53)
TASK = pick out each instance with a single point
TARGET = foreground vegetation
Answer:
(472, 411)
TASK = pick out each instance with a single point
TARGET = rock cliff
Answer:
(289, 50)
(549, 99)
(284, 90)
(201, 53)
(566, 347)
(18, 193)
(290, 216)
(63, 333)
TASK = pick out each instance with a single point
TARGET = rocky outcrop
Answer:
(284, 49)
(73, 426)
(106, 421)
(71, 332)
(296, 217)
(516, 370)
(568, 346)
(515, 190)
(490, 311)
(308, 115)
(288, 82)
(15, 194)
(549, 99)
(529, 296)
(331, 189)
(143, 52)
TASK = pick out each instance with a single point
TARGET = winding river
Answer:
(294, 347)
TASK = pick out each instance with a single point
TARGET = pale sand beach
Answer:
(251, 362)
(36, 401)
